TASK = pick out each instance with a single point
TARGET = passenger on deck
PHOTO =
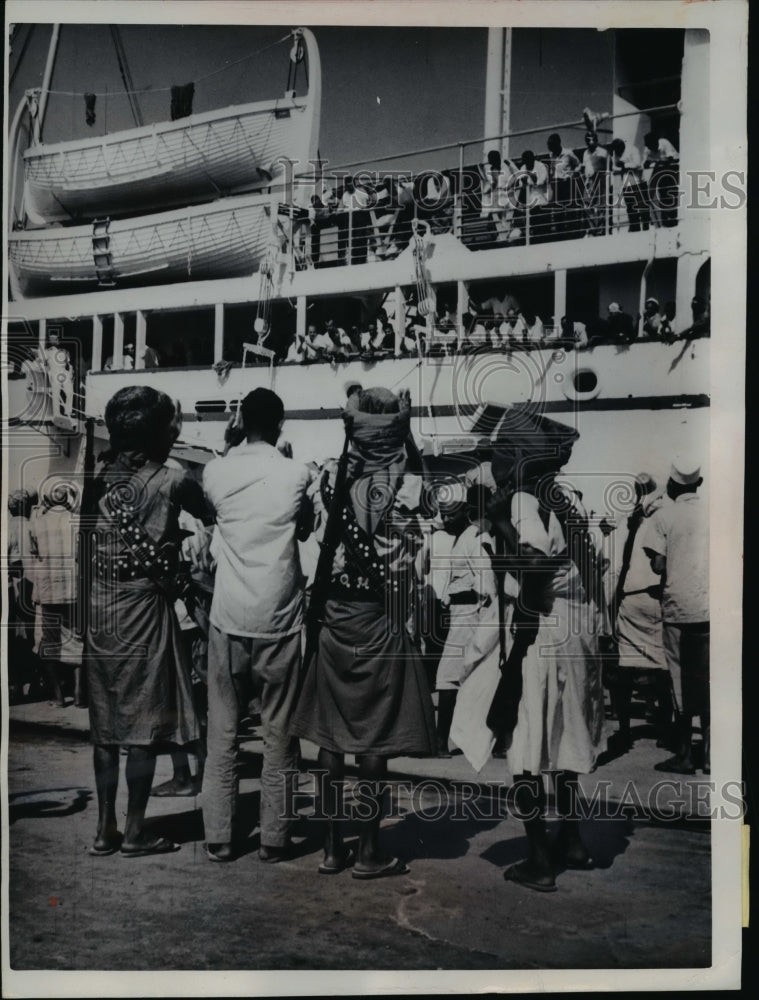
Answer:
(667, 331)
(379, 335)
(574, 333)
(297, 350)
(661, 171)
(535, 331)
(435, 202)
(494, 306)
(594, 168)
(354, 222)
(627, 165)
(150, 357)
(533, 194)
(652, 319)
(317, 346)
(700, 327)
(513, 330)
(477, 334)
(619, 326)
(384, 215)
(404, 193)
(341, 344)
(496, 183)
(321, 215)
(565, 167)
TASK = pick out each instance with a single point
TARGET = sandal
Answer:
(158, 846)
(522, 874)
(393, 867)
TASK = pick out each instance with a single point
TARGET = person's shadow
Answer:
(605, 840)
(47, 803)
(441, 827)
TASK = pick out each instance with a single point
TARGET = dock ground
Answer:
(646, 904)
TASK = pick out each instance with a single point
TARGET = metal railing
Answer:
(601, 206)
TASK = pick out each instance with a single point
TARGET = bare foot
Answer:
(333, 864)
(106, 843)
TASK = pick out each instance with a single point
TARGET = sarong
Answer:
(366, 691)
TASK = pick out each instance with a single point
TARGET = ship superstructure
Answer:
(413, 264)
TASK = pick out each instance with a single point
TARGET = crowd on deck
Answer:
(332, 601)
(564, 193)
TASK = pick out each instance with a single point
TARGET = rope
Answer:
(163, 90)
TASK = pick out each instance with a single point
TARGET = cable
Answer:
(163, 90)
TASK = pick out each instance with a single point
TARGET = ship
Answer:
(433, 264)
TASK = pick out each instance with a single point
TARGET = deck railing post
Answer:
(118, 340)
(458, 215)
(559, 297)
(218, 332)
(350, 236)
(607, 202)
(400, 319)
(140, 340)
(462, 301)
(300, 316)
(97, 343)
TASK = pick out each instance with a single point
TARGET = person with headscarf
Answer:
(138, 673)
(365, 691)
(555, 628)
(53, 532)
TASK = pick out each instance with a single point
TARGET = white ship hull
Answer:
(447, 394)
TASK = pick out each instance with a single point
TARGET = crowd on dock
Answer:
(374, 606)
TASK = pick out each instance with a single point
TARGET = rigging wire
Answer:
(126, 75)
(162, 90)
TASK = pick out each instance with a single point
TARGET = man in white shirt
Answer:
(677, 542)
(565, 167)
(595, 161)
(534, 195)
(61, 377)
(513, 330)
(627, 165)
(661, 172)
(496, 182)
(261, 511)
(317, 346)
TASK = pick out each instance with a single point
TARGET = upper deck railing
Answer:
(350, 216)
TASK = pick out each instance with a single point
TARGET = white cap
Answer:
(685, 470)
(614, 307)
